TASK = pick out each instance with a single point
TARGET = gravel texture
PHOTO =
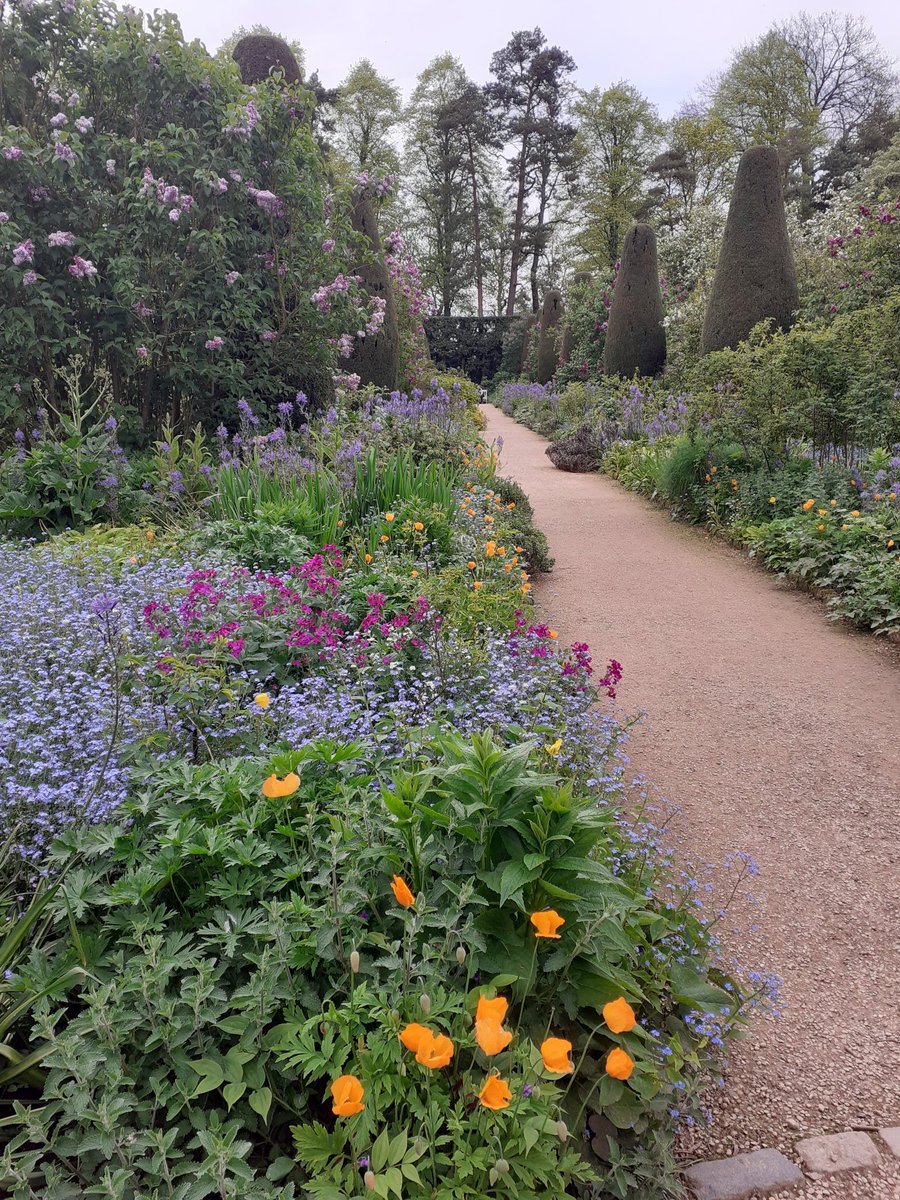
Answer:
(777, 733)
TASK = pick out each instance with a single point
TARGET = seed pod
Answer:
(354, 961)
(369, 1180)
(562, 1130)
(425, 1003)
(460, 954)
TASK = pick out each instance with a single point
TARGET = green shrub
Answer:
(682, 468)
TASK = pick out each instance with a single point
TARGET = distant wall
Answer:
(473, 345)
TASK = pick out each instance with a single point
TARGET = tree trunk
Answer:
(516, 247)
(476, 221)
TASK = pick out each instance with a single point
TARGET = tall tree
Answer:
(849, 77)
(529, 78)
(619, 131)
(368, 108)
(694, 167)
(551, 168)
(468, 115)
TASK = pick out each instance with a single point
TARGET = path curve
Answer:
(778, 734)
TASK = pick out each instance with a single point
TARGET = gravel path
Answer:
(776, 733)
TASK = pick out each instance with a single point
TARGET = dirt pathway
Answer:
(778, 734)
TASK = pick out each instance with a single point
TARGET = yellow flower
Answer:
(619, 1015)
(418, 526)
(490, 549)
(347, 1093)
(508, 567)
(553, 633)
(414, 574)
(555, 748)
(619, 1064)
(495, 1094)
(401, 891)
(845, 526)
(520, 549)
(555, 1053)
(471, 564)
(547, 923)
(262, 700)
(275, 788)
(890, 544)
(389, 517)
(771, 499)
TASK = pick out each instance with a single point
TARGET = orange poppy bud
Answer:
(412, 1035)
(385, 538)
(274, 788)
(368, 558)
(495, 1094)
(402, 893)
(491, 1036)
(490, 549)
(553, 633)
(547, 923)
(347, 1093)
(555, 1053)
(619, 1015)
(434, 1051)
(619, 1064)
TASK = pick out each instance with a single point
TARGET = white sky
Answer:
(665, 47)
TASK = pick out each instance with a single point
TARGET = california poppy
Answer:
(347, 1093)
(412, 1035)
(619, 1064)
(402, 893)
(547, 923)
(619, 1015)
(275, 788)
(495, 1094)
(434, 1050)
(555, 1053)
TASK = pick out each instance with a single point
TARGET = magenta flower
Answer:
(82, 268)
(232, 277)
(143, 353)
(215, 343)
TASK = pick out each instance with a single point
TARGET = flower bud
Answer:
(369, 1180)
(420, 1147)
(501, 1166)
(395, 1015)
(425, 1003)
(460, 954)
(562, 1130)
(403, 1069)
(354, 961)
(493, 1176)
(536, 1091)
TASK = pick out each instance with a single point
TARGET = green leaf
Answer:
(261, 1101)
(233, 1092)
(690, 988)
(280, 1168)
(378, 1157)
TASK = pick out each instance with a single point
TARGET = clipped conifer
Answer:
(376, 357)
(552, 313)
(258, 54)
(755, 278)
(636, 336)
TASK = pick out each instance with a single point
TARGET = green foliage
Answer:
(681, 468)
(218, 928)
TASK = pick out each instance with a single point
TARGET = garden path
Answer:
(775, 733)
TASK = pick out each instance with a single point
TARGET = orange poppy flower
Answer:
(401, 891)
(619, 1064)
(347, 1093)
(471, 564)
(389, 516)
(495, 1094)
(491, 1010)
(274, 788)
(555, 1053)
(434, 1050)
(368, 558)
(547, 923)
(619, 1015)
(418, 526)
(412, 1035)
(808, 505)
(491, 1036)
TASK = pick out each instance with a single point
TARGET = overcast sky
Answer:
(667, 49)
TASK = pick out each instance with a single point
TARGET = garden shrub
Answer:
(547, 354)
(147, 223)
(636, 338)
(755, 278)
(579, 451)
(259, 54)
(376, 357)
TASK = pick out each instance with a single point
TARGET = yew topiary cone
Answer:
(755, 278)
(552, 313)
(636, 337)
(258, 54)
(376, 357)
